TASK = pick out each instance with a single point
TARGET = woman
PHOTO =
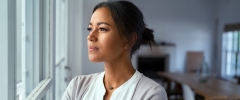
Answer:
(116, 31)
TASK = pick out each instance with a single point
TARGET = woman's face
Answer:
(104, 41)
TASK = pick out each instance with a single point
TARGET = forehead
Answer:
(102, 14)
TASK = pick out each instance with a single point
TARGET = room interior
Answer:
(191, 36)
(180, 27)
(188, 25)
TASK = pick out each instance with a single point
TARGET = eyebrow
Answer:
(99, 23)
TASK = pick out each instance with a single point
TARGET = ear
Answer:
(133, 39)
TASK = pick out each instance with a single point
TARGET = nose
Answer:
(92, 36)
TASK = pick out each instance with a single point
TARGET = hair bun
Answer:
(147, 36)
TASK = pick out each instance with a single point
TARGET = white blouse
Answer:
(97, 90)
(91, 87)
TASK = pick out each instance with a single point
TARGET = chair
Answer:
(173, 89)
(193, 60)
(188, 94)
(237, 79)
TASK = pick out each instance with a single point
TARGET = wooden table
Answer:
(213, 89)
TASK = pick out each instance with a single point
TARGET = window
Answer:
(34, 38)
(231, 51)
(61, 68)
(28, 40)
(41, 56)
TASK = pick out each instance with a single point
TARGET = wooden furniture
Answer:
(238, 79)
(193, 60)
(173, 89)
(213, 89)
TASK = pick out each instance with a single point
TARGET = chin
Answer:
(93, 59)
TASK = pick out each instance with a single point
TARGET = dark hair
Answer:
(128, 19)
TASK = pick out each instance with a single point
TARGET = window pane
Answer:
(238, 62)
(61, 48)
(235, 41)
(229, 70)
(229, 41)
(238, 40)
(231, 63)
(228, 63)
(35, 45)
(231, 55)
(18, 52)
(238, 66)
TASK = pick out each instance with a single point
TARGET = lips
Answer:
(92, 48)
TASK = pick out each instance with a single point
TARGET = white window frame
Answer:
(32, 28)
(9, 21)
(61, 45)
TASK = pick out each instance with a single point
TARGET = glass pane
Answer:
(47, 96)
(238, 39)
(18, 56)
(61, 31)
(229, 57)
(235, 41)
(230, 42)
(233, 59)
(35, 44)
(18, 52)
(231, 46)
(18, 66)
(45, 73)
(238, 66)
(231, 53)
(230, 69)
(61, 48)
(238, 58)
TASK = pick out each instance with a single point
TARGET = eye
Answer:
(89, 29)
(102, 29)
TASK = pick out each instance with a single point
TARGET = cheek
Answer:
(111, 42)
(112, 46)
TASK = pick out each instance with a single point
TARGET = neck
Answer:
(117, 73)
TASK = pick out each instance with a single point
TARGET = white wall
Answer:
(189, 24)
(75, 20)
(228, 13)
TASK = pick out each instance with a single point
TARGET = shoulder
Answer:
(83, 79)
(78, 85)
(150, 90)
(145, 81)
